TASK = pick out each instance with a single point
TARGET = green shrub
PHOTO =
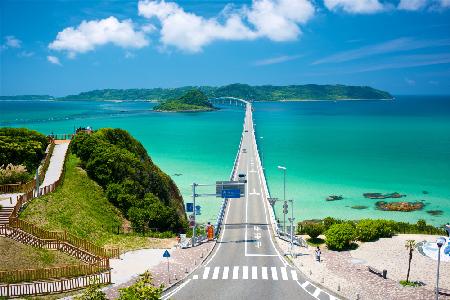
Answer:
(141, 290)
(14, 174)
(366, 231)
(328, 221)
(313, 229)
(20, 146)
(340, 236)
(93, 292)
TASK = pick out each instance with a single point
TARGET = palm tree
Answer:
(410, 245)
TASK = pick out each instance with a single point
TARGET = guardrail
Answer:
(223, 207)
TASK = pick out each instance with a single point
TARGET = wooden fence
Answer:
(53, 286)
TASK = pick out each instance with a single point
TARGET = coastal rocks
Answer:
(437, 212)
(399, 206)
(334, 198)
(383, 196)
(359, 207)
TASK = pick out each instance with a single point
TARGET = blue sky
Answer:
(66, 47)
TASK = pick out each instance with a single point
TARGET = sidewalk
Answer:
(348, 276)
(181, 262)
(56, 165)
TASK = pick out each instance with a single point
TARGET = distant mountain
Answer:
(193, 100)
(243, 91)
(27, 97)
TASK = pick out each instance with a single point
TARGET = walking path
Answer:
(346, 272)
(56, 165)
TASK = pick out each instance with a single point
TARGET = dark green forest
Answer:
(133, 183)
(193, 100)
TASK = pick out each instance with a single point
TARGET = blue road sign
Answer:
(166, 254)
(189, 207)
(231, 193)
(198, 209)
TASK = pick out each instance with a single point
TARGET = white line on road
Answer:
(195, 277)
(284, 273)
(225, 272)
(264, 273)
(216, 273)
(304, 284)
(274, 273)
(316, 292)
(245, 272)
(206, 273)
(175, 291)
(294, 275)
(254, 272)
(236, 272)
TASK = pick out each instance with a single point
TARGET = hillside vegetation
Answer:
(193, 100)
(243, 91)
(133, 183)
(81, 207)
(20, 147)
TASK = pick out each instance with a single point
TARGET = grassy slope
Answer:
(14, 255)
(80, 207)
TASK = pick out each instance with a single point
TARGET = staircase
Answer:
(5, 212)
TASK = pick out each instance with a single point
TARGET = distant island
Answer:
(28, 97)
(194, 100)
(238, 90)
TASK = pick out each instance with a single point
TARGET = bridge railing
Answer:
(223, 206)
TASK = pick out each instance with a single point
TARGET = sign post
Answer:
(285, 211)
(167, 255)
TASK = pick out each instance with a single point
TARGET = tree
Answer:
(313, 229)
(340, 236)
(93, 292)
(410, 245)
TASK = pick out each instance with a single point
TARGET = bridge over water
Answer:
(246, 262)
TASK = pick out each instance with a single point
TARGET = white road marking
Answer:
(256, 228)
(245, 272)
(304, 284)
(257, 235)
(216, 273)
(284, 273)
(254, 272)
(274, 273)
(294, 275)
(206, 273)
(264, 273)
(236, 272)
(316, 292)
(175, 290)
(195, 277)
(225, 272)
(258, 244)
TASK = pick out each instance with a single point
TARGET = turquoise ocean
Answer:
(344, 148)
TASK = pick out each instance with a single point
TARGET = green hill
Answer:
(193, 100)
(243, 91)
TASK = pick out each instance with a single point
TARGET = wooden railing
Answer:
(27, 275)
(54, 286)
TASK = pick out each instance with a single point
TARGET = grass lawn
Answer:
(80, 206)
(15, 255)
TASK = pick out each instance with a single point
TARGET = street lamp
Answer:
(284, 194)
(439, 242)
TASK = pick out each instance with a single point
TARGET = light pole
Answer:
(291, 219)
(260, 150)
(284, 194)
(439, 242)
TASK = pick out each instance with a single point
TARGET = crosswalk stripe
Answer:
(245, 272)
(235, 272)
(216, 273)
(264, 273)
(294, 275)
(284, 273)
(195, 277)
(206, 273)
(316, 292)
(274, 273)
(254, 272)
(305, 284)
(225, 272)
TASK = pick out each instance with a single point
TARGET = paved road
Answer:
(246, 263)
(56, 165)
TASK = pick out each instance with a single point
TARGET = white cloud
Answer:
(396, 45)
(11, 42)
(444, 3)
(54, 60)
(410, 81)
(355, 6)
(25, 54)
(90, 34)
(277, 20)
(412, 4)
(276, 60)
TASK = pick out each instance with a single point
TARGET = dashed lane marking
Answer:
(274, 273)
(225, 272)
(206, 273)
